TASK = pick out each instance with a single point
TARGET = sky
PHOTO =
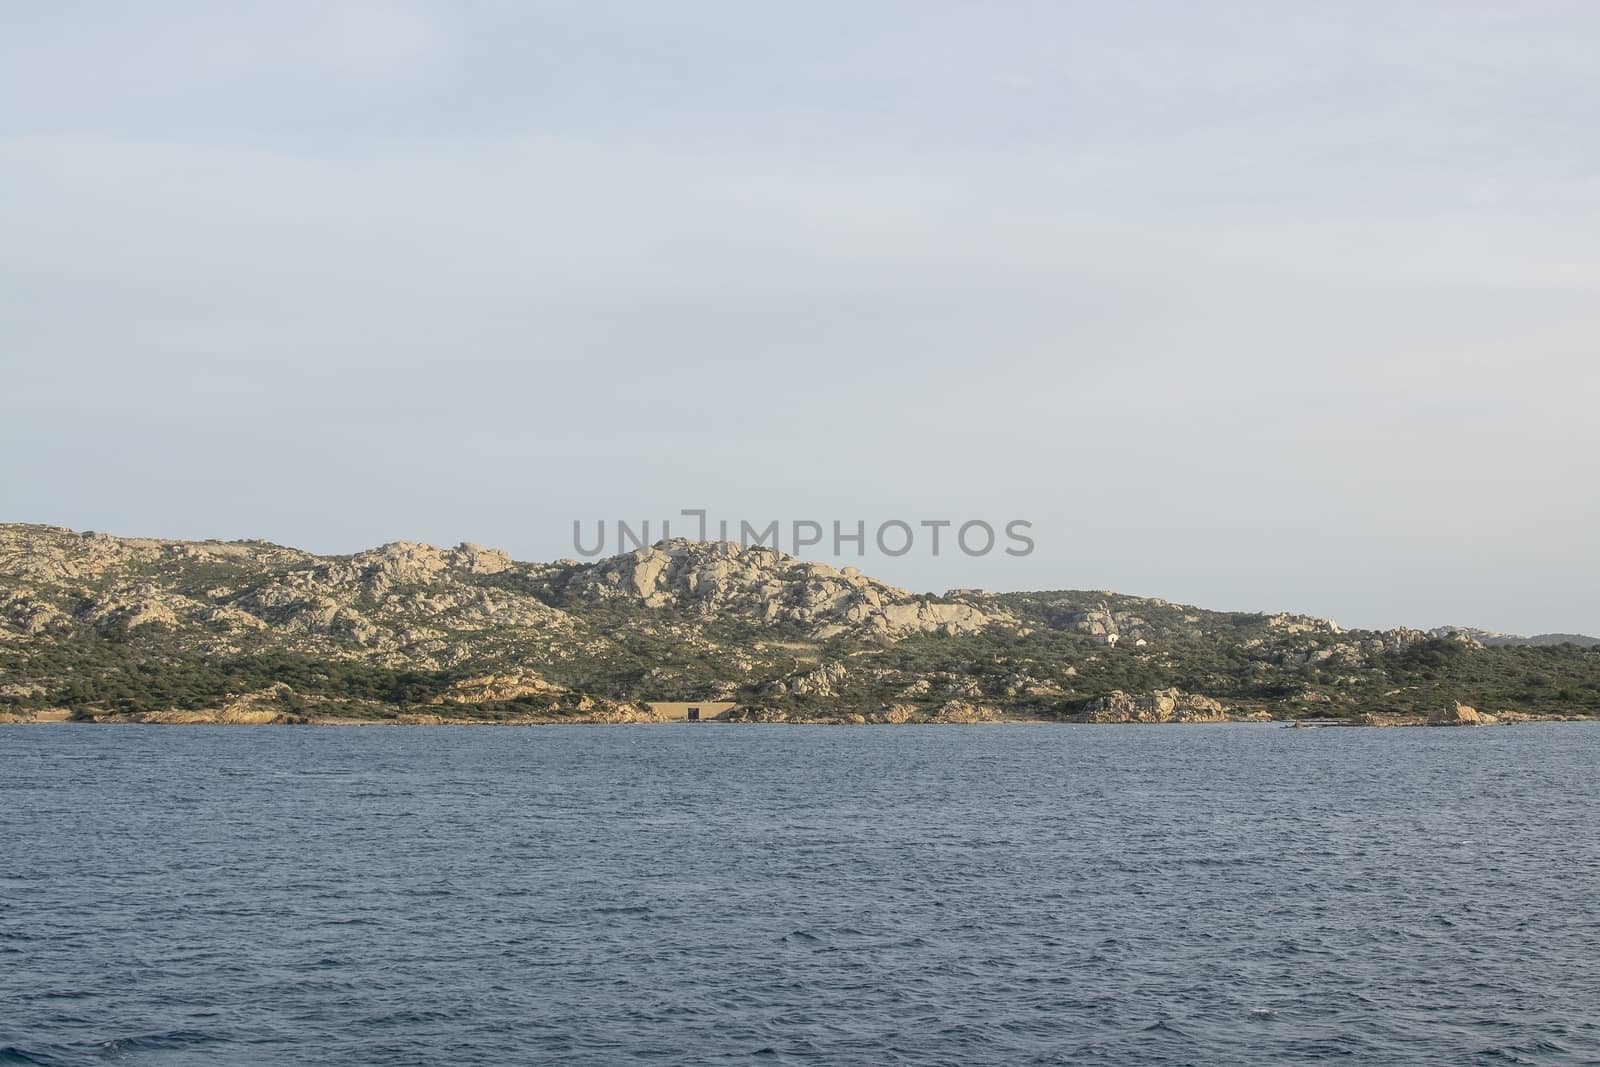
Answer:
(1255, 306)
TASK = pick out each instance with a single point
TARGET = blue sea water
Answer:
(771, 894)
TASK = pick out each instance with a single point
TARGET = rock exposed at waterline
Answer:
(1163, 705)
(961, 711)
(1458, 714)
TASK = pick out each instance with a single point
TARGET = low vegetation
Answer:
(110, 628)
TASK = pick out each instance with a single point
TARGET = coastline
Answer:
(62, 717)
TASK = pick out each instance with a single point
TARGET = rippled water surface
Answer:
(692, 894)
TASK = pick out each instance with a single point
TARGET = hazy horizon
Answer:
(1245, 307)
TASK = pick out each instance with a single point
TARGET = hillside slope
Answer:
(95, 626)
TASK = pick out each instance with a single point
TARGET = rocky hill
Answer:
(95, 626)
(1490, 637)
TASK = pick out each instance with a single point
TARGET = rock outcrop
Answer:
(274, 705)
(493, 688)
(1458, 714)
(895, 714)
(763, 583)
(962, 711)
(824, 681)
(1163, 705)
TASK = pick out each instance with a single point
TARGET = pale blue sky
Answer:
(1274, 306)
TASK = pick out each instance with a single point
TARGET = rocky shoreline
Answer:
(638, 717)
(518, 701)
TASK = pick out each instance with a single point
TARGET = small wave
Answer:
(13, 1054)
(401, 1018)
(1161, 1026)
(172, 1039)
(1538, 1052)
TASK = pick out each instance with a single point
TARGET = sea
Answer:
(778, 894)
